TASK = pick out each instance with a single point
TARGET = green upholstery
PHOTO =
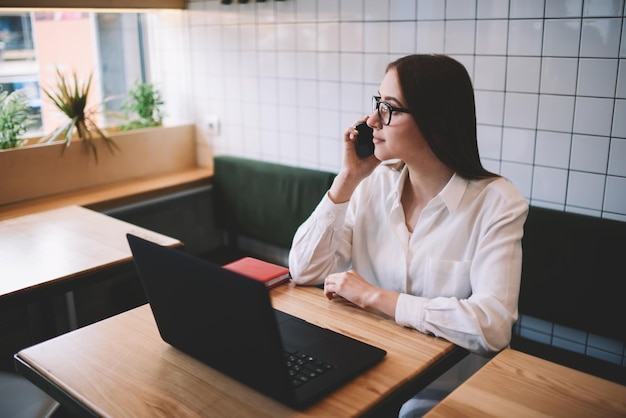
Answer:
(265, 201)
(573, 274)
(573, 271)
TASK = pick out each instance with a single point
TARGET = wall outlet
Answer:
(212, 123)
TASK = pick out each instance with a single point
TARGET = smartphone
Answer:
(364, 140)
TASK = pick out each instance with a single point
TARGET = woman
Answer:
(434, 241)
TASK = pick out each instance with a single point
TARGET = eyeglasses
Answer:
(385, 110)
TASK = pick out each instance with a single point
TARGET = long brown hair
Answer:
(439, 93)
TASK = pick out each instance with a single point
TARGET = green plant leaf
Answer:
(71, 97)
(14, 118)
(143, 107)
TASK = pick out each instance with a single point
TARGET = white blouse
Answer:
(458, 273)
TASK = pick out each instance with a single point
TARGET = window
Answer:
(18, 69)
(33, 45)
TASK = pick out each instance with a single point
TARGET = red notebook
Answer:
(270, 274)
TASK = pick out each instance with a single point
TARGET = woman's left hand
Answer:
(351, 286)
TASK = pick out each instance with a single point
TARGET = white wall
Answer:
(286, 79)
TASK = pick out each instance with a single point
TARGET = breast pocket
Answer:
(447, 278)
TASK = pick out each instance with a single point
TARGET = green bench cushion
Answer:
(573, 271)
(265, 201)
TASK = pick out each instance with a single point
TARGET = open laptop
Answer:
(227, 321)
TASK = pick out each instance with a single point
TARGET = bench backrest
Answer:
(574, 270)
(266, 201)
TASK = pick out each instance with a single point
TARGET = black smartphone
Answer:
(364, 140)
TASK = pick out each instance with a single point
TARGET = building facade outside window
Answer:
(107, 46)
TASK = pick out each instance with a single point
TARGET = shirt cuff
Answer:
(410, 311)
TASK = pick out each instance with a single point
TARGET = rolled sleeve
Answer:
(410, 311)
(329, 214)
(319, 244)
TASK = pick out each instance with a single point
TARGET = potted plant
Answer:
(143, 107)
(36, 172)
(70, 98)
(14, 119)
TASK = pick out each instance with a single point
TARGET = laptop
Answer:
(226, 320)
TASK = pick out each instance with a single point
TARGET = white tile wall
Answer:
(430, 36)
(556, 113)
(563, 8)
(617, 159)
(589, 153)
(402, 10)
(492, 9)
(375, 9)
(619, 119)
(570, 334)
(602, 7)
(519, 174)
(402, 37)
(600, 37)
(621, 80)
(561, 37)
(549, 184)
(605, 349)
(593, 115)
(431, 9)
(558, 75)
(351, 10)
(525, 37)
(460, 9)
(553, 149)
(523, 74)
(459, 36)
(526, 8)
(615, 197)
(489, 142)
(489, 107)
(571, 339)
(520, 110)
(622, 50)
(536, 329)
(376, 37)
(490, 72)
(287, 77)
(489, 39)
(518, 145)
(567, 344)
(585, 190)
(597, 77)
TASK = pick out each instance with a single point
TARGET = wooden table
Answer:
(515, 384)
(120, 367)
(47, 248)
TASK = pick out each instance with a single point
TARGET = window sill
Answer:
(124, 192)
(150, 161)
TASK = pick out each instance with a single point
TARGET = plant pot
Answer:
(46, 169)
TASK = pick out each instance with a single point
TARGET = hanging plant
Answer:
(143, 107)
(14, 119)
(70, 97)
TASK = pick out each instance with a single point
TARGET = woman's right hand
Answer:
(354, 168)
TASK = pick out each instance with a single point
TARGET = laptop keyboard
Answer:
(304, 368)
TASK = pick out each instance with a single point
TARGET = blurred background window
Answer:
(108, 46)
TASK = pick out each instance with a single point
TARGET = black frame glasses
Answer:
(387, 109)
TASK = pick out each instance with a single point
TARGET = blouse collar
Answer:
(451, 194)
